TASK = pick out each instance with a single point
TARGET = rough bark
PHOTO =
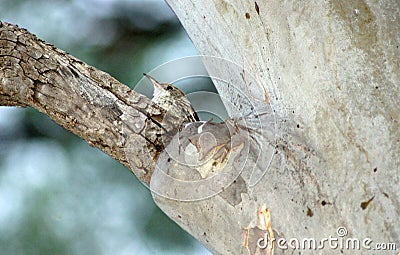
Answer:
(331, 70)
(82, 99)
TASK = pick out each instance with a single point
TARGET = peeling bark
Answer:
(330, 72)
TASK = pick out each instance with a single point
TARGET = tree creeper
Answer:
(173, 100)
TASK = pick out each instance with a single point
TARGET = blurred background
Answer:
(58, 195)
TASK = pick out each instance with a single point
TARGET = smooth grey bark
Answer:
(331, 70)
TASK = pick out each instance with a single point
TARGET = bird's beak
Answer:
(157, 86)
(154, 81)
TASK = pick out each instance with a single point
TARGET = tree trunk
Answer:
(315, 152)
(331, 71)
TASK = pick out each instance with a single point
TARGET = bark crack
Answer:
(82, 99)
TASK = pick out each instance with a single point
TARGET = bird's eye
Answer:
(169, 87)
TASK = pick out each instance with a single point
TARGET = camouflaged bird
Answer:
(174, 101)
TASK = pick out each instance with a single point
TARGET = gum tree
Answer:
(324, 149)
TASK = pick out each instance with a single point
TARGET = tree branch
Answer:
(86, 101)
(330, 72)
